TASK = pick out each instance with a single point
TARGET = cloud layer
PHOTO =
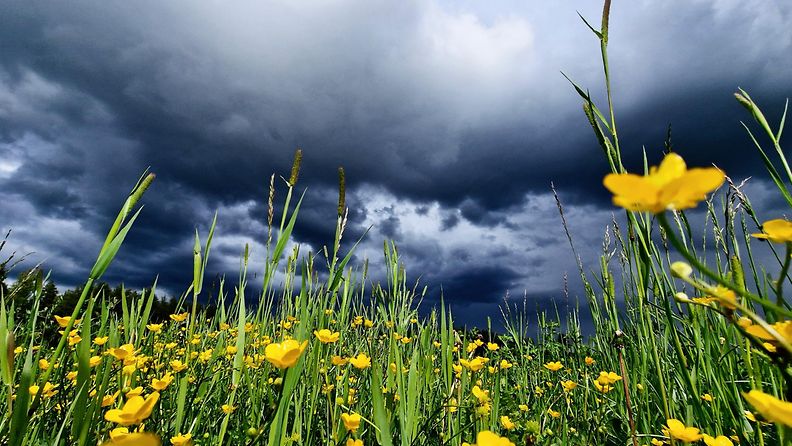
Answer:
(451, 119)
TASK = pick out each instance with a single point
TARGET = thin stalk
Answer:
(714, 276)
(782, 277)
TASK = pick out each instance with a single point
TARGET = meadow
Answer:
(692, 341)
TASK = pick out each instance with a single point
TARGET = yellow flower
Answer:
(227, 408)
(475, 364)
(120, 436)
(71, 376)
(452, 405)
(783, 328)
(719, 441)
(707, 397)
(589, 360)
(744, 322)
(109, 400)
(351, 421)
(74, 339)
(604, 383)
(553, 413)
(137, 391)
(162, 383)
(339, 361)
(181, 317)
(771, 408)
(504, 364)
(326, 336)
(704, 300)
(568, 385)
(491, 346)
(119, 433)
(725, 297)
(656, 442)
(353, 442)
(604, 388)
(177, 365)
(285, 354)
(205, 355)
(135, 410)
(47, 392)
(63, 321)
(361, 361)
(777, 231)
(523, 407)
(43, 364)
(154, 328)
(483, 410)
(487, 438)
(678, 431)
(122, 352)
(94, 361)
(554, 366)
(181, 440)
(481, 395)
(608, 377)
(507, 423)
(100, 340)
(670, 186)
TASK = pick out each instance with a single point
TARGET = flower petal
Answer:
(671, 168)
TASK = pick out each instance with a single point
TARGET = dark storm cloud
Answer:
(456, 109)
(476, 284)
(450, 220)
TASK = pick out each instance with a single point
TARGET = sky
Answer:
(451, 119)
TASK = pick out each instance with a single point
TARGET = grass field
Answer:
(692, 341)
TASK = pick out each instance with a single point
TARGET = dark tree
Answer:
(49, 297)
(22, 292)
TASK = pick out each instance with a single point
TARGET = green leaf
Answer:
(283, 237)
(340, 267)
(107, 254)
(378, 402)
(83, 382)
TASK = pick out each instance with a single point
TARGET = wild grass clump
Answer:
(692, 340)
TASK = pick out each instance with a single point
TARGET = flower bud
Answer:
(681, 270)
(682, 297)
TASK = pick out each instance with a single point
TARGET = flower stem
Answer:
(696, 263)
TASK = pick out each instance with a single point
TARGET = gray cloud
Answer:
(451, 120)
